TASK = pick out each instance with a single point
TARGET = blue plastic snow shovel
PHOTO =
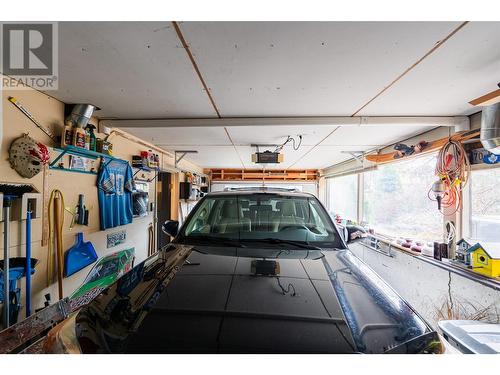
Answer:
(79, 256)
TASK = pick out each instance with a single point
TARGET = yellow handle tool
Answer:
(56, 222)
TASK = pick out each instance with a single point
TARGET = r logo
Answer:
(28, 49)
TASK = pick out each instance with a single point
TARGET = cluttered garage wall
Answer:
(50, 112)
(434, 287)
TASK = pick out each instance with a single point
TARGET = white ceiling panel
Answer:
(215, 149)
(213, 156)
(129, 70)
(247, 135)
(139, 70)
(305, 68)
(465, 67)
(325, 156)
(371, 135)
(183, 136)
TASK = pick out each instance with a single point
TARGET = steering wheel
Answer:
(289, 226)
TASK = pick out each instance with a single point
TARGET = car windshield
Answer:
(271, 219)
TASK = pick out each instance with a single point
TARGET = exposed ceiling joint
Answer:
(436, 46)
(195, 66)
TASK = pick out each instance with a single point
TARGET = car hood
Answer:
(320, 302)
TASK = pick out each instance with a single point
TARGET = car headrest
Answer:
(229, 210)
(288, 208)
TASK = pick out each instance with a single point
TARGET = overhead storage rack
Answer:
(224, 174)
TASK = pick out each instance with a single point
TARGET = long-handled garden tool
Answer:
(10, 192)
(28, 263)
(56, 222)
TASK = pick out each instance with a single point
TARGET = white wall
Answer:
(427, 287)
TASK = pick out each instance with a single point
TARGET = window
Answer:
(484, 218)
(396, 200)
(343, 196)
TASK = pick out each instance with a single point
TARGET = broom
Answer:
(10, 192)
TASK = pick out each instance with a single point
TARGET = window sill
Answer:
(445, 264)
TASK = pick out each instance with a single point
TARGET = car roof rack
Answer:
(261, 188)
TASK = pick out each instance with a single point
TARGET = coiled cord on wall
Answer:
(452, 168)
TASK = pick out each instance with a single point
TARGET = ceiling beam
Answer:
(288, 121)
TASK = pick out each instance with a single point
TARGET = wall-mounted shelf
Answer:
(146, 169)
(77, 151)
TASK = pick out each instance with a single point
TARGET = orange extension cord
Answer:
(452, 168)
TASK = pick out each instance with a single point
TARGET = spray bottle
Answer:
(92, 140)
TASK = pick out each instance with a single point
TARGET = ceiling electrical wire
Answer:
(452, 168)
(295, 143)
(290, 289)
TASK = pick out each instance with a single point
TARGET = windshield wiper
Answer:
(285, 242)
(206, 240)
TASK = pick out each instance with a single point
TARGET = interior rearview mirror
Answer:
(170, 227)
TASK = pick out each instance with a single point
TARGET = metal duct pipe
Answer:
(81, 114)
(490, 128)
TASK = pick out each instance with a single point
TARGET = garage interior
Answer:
(393, 126)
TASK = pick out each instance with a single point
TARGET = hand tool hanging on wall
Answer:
(151, 240)
(59, 221)
(45, 205)
(56, 222)
(33, 120)
(10, 192)
(82, 214)
(28, 263)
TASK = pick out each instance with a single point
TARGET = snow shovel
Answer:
(79, 256)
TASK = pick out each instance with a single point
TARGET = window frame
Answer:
(466, 212)
(359, 190)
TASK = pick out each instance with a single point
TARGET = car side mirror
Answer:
(354, 233)
(170, 227)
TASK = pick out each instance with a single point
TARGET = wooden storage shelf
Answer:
(220, 174)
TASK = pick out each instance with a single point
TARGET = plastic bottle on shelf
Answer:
(79, 135)
(151, 159)
(87, 138)
(157, 161)
(67, 135)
